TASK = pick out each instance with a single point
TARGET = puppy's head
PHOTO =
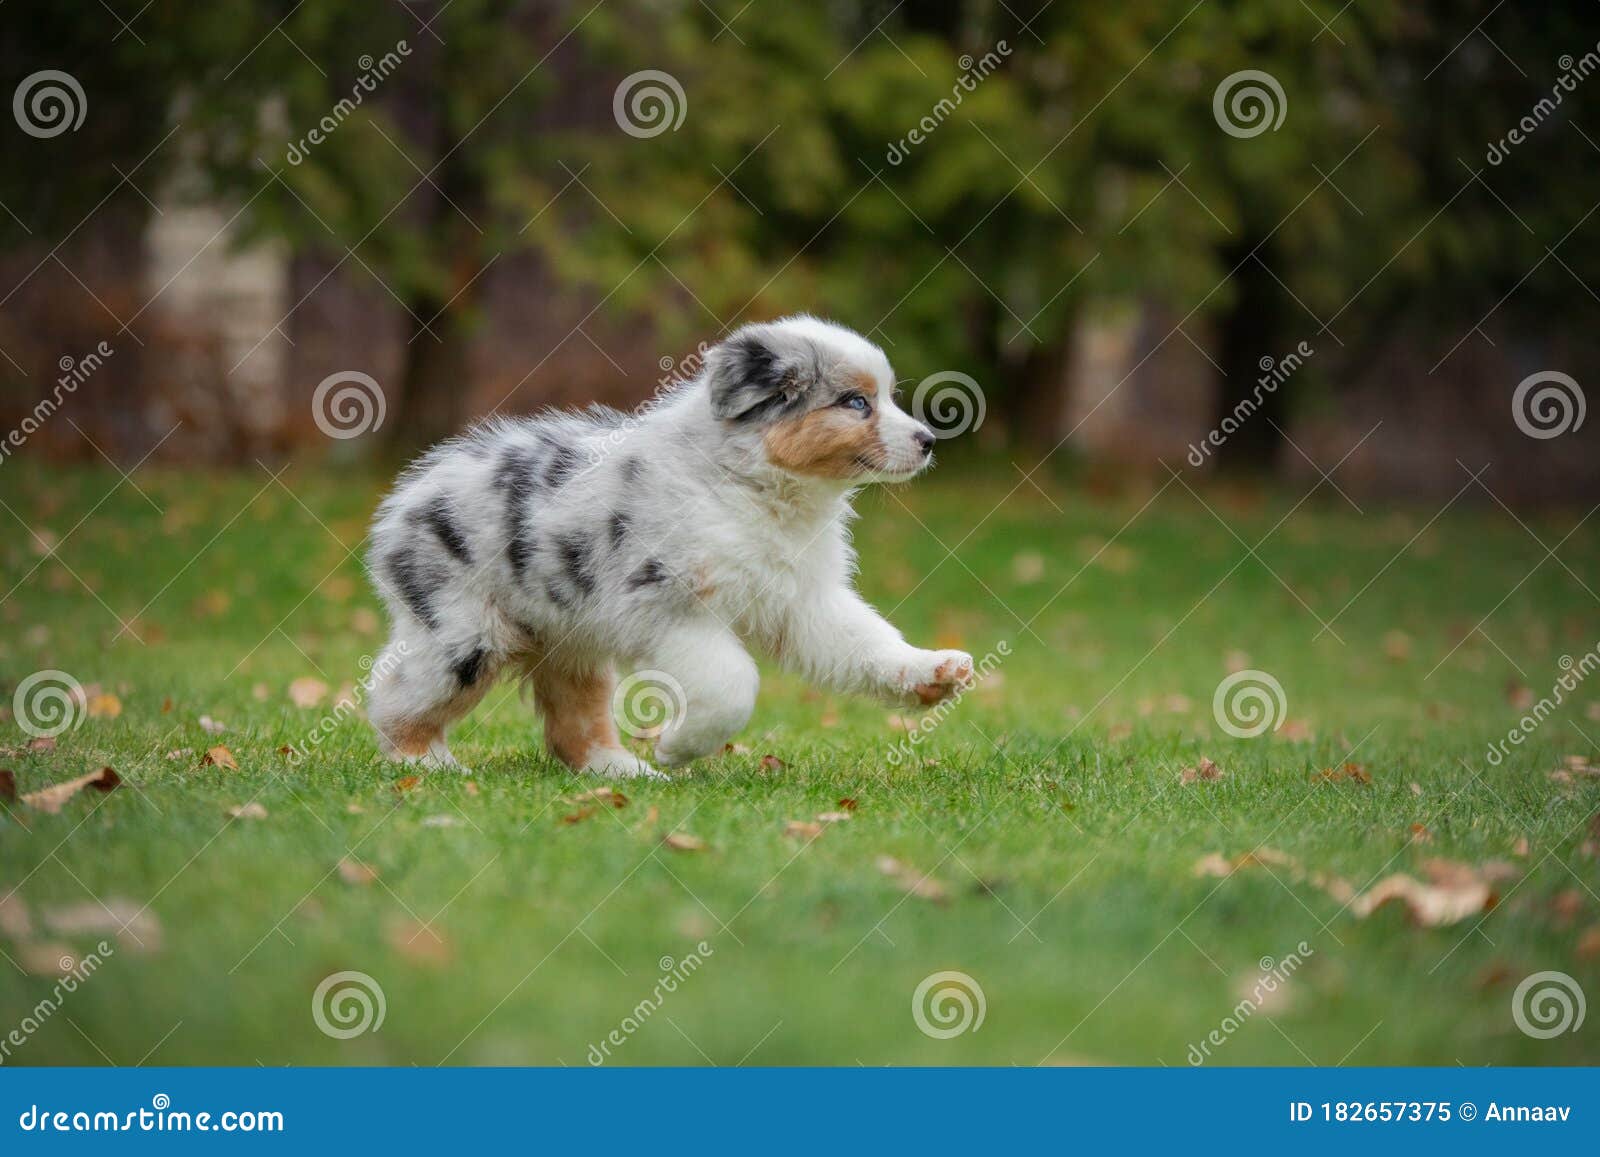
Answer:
(819, 398)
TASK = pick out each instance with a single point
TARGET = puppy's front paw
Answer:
(934, 676)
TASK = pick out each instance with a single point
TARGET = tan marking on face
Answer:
(577, 714)
(832, 442)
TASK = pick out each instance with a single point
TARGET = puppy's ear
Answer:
(760, 373)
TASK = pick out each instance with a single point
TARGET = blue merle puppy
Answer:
(711, 522)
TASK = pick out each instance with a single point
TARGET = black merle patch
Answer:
(631, 469)
(751, 381)
(619, 527)
(469, 668)
(437, 517)
(516, 478)
(555, 594)
(650, 573)
(576, 556)
(415, 583)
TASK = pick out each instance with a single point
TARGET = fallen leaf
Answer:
(355, 809)
(8, 786)
(602, 795)
(15, 919)
(134, 926)
(1588, 947)
(650, 818)
(364, 621)
(285, 749)
(1397, 646)
(578, 816)
(418, 942)
(1454, 892)
(772, 763)
(1205, 770)
(802, 829)
(219, 756)
(51, 798)
(1518, 696)
(212, 726)
(829, 718)
(1296, 731)
(407, 782)
(735, 749)
(1213, 864)
(848, 804)
(684, 842)
(833, 817)
(167, 705)
(180, 753)
(1567, 904)
(1420, 834)
(470, 787)
(918, 884)
(307, 691)
(248, 811)
(47, 958)
(42, 743)
(355, 872)
(1416, 789)
(1356, 772)
(1520, 848)
(105, 706)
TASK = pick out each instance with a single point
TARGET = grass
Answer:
(1048, 807)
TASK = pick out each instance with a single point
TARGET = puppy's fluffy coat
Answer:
(715, 519)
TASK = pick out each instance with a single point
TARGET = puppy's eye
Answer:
(857, 403)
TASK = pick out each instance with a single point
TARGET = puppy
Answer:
(715, 519)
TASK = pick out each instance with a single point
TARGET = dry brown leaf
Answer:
(1567, 904)
(1213, 864)
(602, 795)
(419, 943)
(802, 829)
(918, 884)
(42, 743)
(684, 842)
(772, 763)
(1355, 772)
(364, 621)
(8, 785)
(15, 919)
(470, 787)
(735, 749)
(104, 706)
(1416, 789)
(1420, 834)
(578, 816)
(1454, 892)
(307, 691)
(50, 799)
(1588, 947)
(406, 782)
(212, 726)
(1206, 770)
(650, 818)
(1520, 848)
(133, 925)
(848, 804)
(355, 872)
(1397, 646)
(167, 705)
(248, 811)
(833, 817)
(829, 718)
(219, 756)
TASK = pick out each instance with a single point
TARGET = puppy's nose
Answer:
(924, 440)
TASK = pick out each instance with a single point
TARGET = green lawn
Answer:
(1047, 809)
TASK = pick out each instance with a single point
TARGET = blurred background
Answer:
(1118, 221)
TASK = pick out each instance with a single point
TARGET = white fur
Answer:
(751, 557)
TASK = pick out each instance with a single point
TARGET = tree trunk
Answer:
(1253, 330)
(437, 376)
(1043, 391)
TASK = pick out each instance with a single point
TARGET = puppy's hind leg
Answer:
(420, 686)
(578, 726)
